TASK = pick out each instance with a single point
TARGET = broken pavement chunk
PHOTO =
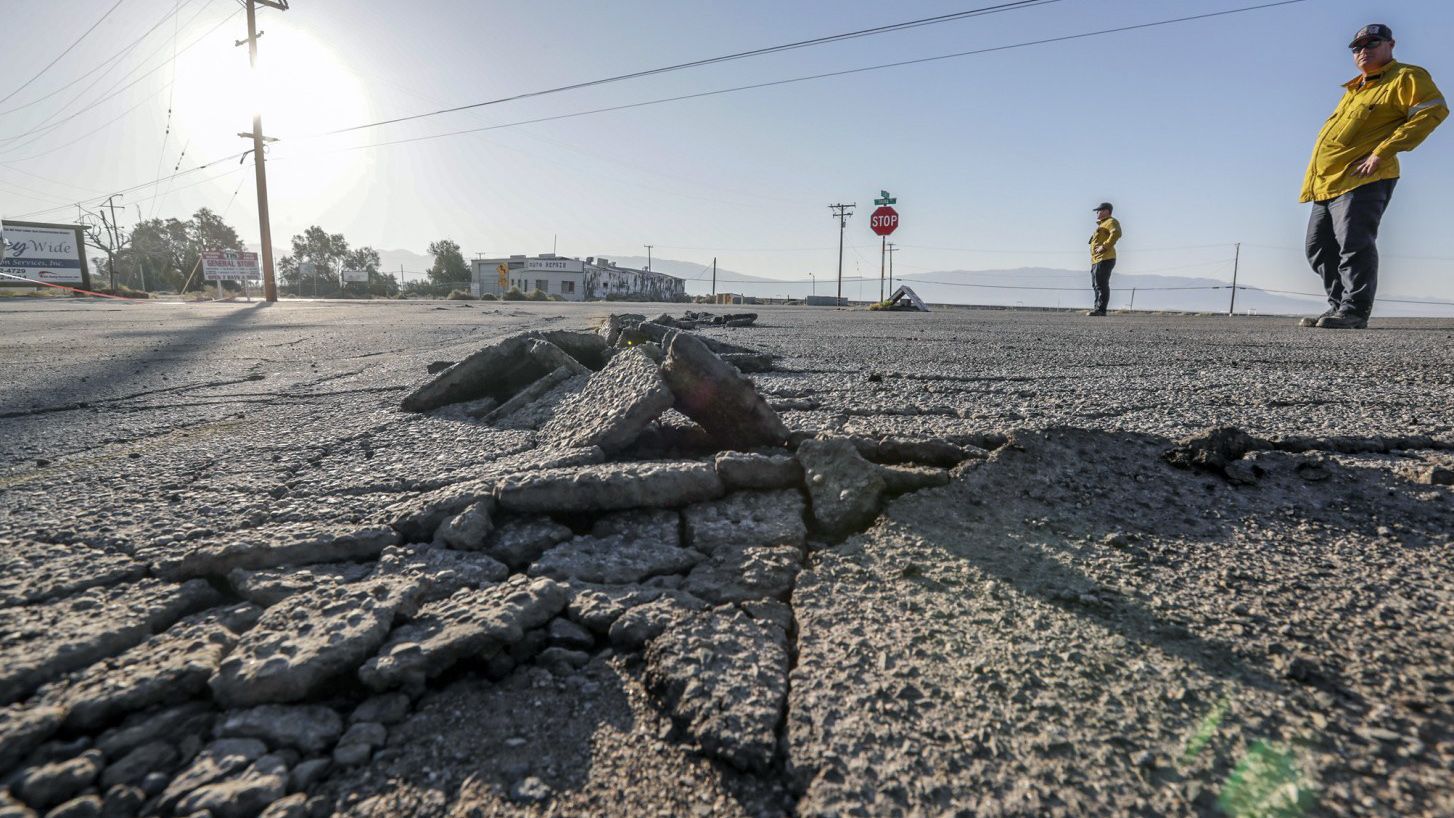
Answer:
(614, 407)
(473, 622)
(613, 560)
(610, 487)
(498, 371)
(844, 488)
(519, 542)
(43, 641)
(35, 571)
(713, 393)
(746, 518)
(744, 470)
(723, 676)
(296, 648)
(273, 546)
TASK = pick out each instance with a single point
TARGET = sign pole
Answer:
(883, 251)
(1236, 262)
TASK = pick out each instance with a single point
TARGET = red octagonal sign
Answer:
(884, 221)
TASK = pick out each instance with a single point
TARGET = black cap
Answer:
(1104, 206)
(1372, 31)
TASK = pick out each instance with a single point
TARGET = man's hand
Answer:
(1368, 166)
(1100, 248)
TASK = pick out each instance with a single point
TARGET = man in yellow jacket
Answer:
(1103, 256)
(1389, 108)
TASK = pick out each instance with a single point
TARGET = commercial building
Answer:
(572, 279)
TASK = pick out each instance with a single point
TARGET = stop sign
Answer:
(884, 220)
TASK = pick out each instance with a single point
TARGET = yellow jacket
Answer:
(1107, 234)
(1389, 112)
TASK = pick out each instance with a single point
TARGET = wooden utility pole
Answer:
(714, 279)
(841, 212)
(270, 285)
(1236, 262)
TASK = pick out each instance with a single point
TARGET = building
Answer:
(573, 279)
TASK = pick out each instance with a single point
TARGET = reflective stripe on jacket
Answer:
(1107, 234)
(1386, 113)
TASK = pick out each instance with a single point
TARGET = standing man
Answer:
(1389, 108)
(1103, 256)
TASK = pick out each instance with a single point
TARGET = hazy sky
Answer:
(1199, 132)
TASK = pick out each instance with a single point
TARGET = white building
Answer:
(572, 279)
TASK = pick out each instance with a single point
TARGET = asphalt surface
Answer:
(1072, 628)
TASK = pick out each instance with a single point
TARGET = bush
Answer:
(488, 297)
(460, 295)
(513, 294)
(537, 295)
(553, 297)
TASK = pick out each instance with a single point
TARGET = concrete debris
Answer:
(589, 348)
(741, 573)
(723, 676)
(472, 623)
(498, 371)
(598, 607)
(610, 487)
(47, 785)
(269, 586)
(385, 708)
(297, 648)
(217, 760)
(440, 571)
(747, 470)
(1214, 450)
(310, 729)
(169, 667)
(274, 546)
(610, 331)
(23, 728)
(533, 415)
(844, 489)
(418, 518)
(640, 624)
(567, 634)
(903, 479)
(43, 641)
(614, 560)
(532, 393)
(749, 361)
(714, 394)
(467, 530)
(33, 571)
(132, 768)
(614, 407)
(241, 796)
(167, 724)
(519, 542)
(657, 525)
(746, 518)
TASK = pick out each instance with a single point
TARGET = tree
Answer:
(166, 253)
(449, 266)
(325, 251)
(367, 260)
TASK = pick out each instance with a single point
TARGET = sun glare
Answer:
(301, 88)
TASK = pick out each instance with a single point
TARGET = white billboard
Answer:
(229, 265)
(47, 253)
(356, 275)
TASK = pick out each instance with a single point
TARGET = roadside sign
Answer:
(355, 275)
(884, 221)
(49, 253)
(229, 265)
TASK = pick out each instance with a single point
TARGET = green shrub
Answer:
(554, 297)
(513, 294)
(488, 297)
(460, 295)
(537, 295)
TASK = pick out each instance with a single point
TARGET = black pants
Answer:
(1101, 282)
(1341, 245)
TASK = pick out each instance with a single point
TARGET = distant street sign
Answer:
(884, 221)
(230, 265)
(356, 275)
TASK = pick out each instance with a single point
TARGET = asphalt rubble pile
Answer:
(663, 513)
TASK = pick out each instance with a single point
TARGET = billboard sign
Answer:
(230, 265)
(356, 275)
(48, 253)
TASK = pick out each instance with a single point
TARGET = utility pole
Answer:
(270, 285)
(1133, 300)
(115, 230)
(841, 212)
(714, 279)
(892, 250)
(1236, 262)
(648, 255)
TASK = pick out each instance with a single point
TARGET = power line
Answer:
(121, 54)
(756, 52)
(828, 74)
(77, 42)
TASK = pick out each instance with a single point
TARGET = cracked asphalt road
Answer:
(1073, 627)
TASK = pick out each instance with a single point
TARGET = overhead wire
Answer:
(171, 100)
(756, 52)
(67, 50)
(825, 75)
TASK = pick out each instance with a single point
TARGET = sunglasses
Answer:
(1366, 45)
